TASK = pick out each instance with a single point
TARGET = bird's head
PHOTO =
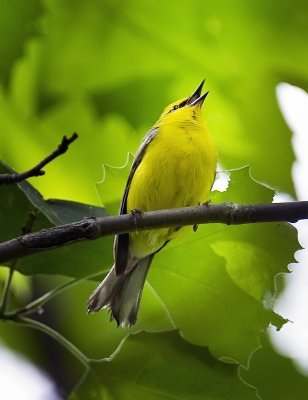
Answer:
(185, 110)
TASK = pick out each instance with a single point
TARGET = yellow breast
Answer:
(177, 170)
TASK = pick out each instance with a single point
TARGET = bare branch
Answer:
(37, 169)
(93, 228)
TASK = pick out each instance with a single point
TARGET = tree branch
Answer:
(37, 169)
(93, 228)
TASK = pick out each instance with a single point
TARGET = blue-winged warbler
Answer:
(174, 167)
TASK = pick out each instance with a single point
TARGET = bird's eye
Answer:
(177, 106)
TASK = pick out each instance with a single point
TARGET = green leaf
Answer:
(255, 253)
(274, 375)
(163, 366)
(10, 202)
(14, 208)
(65, 212)
(60, 211)
(77, 261)
(221, 276)
(225, 272)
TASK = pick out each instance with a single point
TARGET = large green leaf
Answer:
(163, 366)
(221, 275)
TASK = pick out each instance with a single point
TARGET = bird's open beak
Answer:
(196, 98)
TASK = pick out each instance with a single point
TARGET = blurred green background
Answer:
(106, 69)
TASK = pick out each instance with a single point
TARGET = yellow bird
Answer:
(174, 167)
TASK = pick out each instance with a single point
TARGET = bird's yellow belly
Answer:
(174, 172)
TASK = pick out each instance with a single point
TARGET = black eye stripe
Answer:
(177, 106)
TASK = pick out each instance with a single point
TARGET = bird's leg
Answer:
(196, 226)
(206, 204)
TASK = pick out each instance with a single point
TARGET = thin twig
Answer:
(27, 228)
(37, 170)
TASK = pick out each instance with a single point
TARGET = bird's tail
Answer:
(121, 294)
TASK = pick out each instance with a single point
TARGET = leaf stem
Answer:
(36, 304)
(31, 323)
(6, 288)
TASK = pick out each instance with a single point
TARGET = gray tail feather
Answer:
(121, 294)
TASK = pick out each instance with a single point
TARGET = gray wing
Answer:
(121, 241)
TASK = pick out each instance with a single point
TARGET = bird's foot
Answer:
(207, 203)
(136, 214)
